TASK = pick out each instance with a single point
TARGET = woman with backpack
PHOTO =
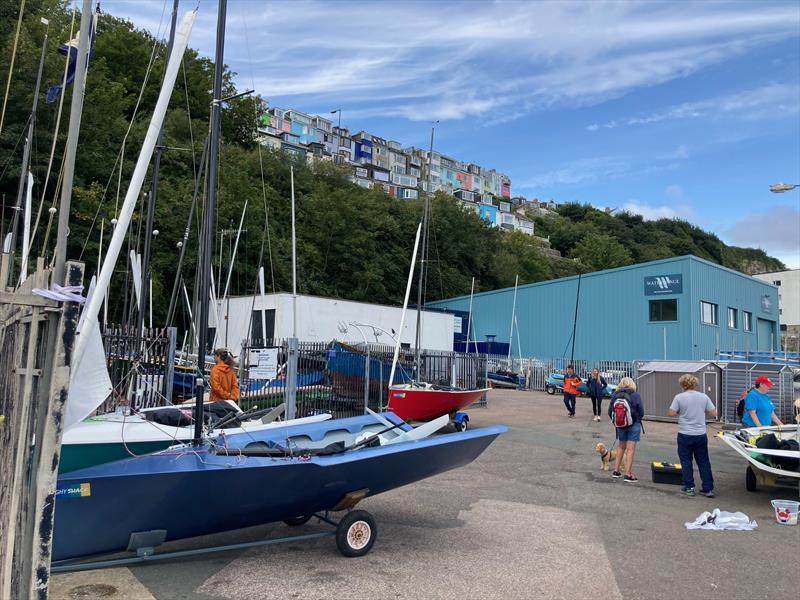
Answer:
(626, 412)
(759, 411)
(596, 385)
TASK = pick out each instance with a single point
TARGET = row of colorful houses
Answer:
(401, 172)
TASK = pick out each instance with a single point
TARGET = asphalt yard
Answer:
(533, 517)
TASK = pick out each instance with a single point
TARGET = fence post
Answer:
(291, 378)
(366, 380)
(169, 366)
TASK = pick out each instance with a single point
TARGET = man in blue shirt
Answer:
(758, 408)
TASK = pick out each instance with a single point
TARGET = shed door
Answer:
(711, 387)
(764, 334)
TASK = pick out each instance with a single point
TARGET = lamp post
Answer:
(780, 187)
(338, 110)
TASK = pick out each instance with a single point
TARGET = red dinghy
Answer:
(423, 402)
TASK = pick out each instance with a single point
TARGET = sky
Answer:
(667, 109)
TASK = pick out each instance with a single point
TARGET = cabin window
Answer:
(664, 310)
(708, 313)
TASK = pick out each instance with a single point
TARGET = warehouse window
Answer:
(708, 313)
(664, 310)
(747, 321)
(733, 318)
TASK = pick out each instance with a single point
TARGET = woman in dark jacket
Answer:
(597, 387)
(630, 435)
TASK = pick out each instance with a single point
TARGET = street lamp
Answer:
(338, 110)
(780, 187)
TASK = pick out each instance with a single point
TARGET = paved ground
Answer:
(534, 517)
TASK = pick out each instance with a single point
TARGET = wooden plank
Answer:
(15, 298)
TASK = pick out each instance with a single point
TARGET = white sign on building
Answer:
(264, 363)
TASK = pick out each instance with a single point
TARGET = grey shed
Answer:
(657, 383)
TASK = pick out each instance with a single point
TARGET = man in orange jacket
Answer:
(571, 383)
(223, 378)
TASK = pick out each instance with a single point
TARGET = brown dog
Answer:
(606, 456)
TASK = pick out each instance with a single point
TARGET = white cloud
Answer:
(455, 60)
(767, 101)
(652, 213)
(775, 229)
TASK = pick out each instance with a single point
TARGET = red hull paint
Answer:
(426, 404)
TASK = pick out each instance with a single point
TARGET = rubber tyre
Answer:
(356, 533)
(461, 425)
(550, 389)
(297, 521)
(750, 482)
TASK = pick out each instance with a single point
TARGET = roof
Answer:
(675, 366)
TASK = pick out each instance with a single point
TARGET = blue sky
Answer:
(687, 109)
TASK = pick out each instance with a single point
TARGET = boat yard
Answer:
(533, 517)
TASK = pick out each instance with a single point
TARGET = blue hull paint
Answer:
(198, 492)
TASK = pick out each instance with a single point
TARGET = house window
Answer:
(777, 283)
(747, 321)
(733, 318)
(708, 313)
(664, 310)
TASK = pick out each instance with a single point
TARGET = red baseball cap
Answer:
(764, 380)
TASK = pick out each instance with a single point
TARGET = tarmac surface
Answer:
(533, 517)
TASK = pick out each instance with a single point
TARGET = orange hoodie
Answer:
(223, 383)
(571, 383)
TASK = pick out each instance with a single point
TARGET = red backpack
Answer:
(621, 415)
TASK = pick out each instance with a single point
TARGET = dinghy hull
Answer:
(424, 404)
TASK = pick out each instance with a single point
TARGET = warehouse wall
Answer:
(613, 314)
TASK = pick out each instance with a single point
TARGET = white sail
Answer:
(89, 384)
(87, 346)
(26, 230)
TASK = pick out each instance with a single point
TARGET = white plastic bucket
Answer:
(786, 511)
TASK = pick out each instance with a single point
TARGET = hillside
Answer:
(353, 242)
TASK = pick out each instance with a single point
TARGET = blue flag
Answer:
(70, 49)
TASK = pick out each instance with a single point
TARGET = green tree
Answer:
(598, 251)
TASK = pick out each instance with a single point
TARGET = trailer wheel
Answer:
(356, 533)
(750, 481)
(550, 389)
(461, 425)
(296, 521)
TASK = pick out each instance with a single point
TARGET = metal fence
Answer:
(141, 368)
(738, 377)
(536, 371)
(344, 379)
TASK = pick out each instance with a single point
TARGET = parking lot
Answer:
(533, 517)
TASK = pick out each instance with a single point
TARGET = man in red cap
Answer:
(758, 408)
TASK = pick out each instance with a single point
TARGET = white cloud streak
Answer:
(453, 60)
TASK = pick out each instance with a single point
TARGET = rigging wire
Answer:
(11, 65)
(55, 137)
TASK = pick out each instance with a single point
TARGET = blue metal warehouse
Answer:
(682, 308)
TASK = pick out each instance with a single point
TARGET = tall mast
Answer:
(469, 316)
(207, 237)
(151, 198)
(294, 262)
(513, 313)
(75, 110)
(423, 257)
(26, 153)
(575, 319)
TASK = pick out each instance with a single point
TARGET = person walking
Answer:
(691, 407)
(223, 378)
(571, 383)
(626, 412)
(759, 411)
(597, 387)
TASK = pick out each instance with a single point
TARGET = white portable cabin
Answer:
(324, 320)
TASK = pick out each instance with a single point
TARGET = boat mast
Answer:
(26, 158)
(405, 306)
(294, 261)
(151, 197)
(207, 237)
(469, 316)
(423, 258)
(513, 315)
(575, 319)
(71, 147)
